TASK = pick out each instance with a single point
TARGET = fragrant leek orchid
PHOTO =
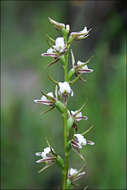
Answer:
(44, 100)
(59, 50)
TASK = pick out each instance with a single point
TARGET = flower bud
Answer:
(62, 59)
(60, 106)
(68, 28)
(70, 122)
(71, 73)
(57, 25)
(60, 161)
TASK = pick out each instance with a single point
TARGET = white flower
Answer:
(84, 30)
(44, 100)
(81, 34)
(78, 116)
(59, 45)
(67, 27)
(72, 171)
(50, 50)
(45, 152)
(81, 141)
(74, 174)
(46, 155)
(83, 69)
(64, 87)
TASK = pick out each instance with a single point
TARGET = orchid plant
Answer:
(59, 50)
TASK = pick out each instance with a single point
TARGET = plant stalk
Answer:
(65, 117)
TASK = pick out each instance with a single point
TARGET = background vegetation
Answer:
(24, 74)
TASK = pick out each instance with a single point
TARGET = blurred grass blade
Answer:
(85, 187)
(45, 167)
(53, 62)
(74, 81)
(87, 131)
(44, 112)
(82, 107)
(50, 40)
(52, 80)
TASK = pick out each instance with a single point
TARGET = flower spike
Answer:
(59, 51)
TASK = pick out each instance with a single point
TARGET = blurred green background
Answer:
(24, 73)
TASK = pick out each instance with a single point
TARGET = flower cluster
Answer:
(59, 50)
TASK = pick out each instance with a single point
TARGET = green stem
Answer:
(65, 117)
(66, 67)
(65, 170)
